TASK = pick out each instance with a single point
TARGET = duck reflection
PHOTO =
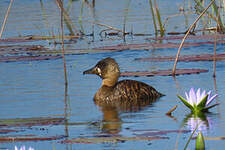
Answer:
(111, 122)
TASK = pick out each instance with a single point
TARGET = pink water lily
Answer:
(198, 101)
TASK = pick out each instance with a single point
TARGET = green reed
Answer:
(156, 14)
(216, 17)
(71, 27)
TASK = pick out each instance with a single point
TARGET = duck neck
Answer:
(109, 81)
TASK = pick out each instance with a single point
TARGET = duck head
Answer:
(107, 69)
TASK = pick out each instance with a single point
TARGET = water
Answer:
(36, 89)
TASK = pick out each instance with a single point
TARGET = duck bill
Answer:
(90, 71)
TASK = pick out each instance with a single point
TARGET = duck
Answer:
(124, 93)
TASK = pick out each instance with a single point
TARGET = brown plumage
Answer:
(125, 93)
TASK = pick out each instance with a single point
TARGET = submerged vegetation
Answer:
(84, 32)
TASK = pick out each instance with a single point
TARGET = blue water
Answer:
(36, 89)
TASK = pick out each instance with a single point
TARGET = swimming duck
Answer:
(125, 92)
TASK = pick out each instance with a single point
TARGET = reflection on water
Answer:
(111, 120)
(23, 148)
(202, 122)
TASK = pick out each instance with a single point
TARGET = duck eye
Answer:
(99, 71)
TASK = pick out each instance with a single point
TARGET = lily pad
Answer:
(159, 132)
(191, 37)
(162, 72)
(30, 122)
(32, 38)
(21, 49)
(114, 139)
(4, 131)
(144, 46)
(26, 58)
(186, 58)
(16, 138)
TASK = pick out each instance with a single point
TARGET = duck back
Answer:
(127, 92)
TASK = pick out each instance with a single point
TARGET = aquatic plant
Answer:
(156, 14)
(189, 30)
(5, 18)
(200, 143)
(198, 102)
(215, 14)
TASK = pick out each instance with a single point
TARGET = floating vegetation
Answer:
(162, 72)
(19, 138)
(18, 122)
(113, 139)
(26, 58)
(154, 132)
(186, 58)
(4, 131)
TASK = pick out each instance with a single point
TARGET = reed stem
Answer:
(189, 30)
(186, 145)
(161, 28)
(5, 19)
(63, 50)
(153, 17)
(71, 27)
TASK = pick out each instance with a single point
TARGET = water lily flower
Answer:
(198, 102)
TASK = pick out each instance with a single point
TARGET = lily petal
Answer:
(192, 96)
(198, 94)
(188, 99)
(203, 94)
(210, 99)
